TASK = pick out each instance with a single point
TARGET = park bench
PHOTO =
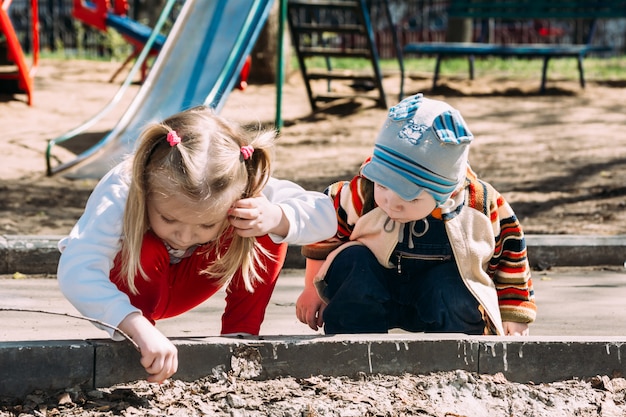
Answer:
(577, 12)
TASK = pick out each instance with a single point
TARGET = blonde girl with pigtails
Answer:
(195, 208)
(166, 165)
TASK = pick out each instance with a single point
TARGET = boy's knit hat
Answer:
(423, 145)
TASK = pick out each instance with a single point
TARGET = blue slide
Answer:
(199, 64)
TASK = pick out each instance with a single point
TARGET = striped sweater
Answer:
(486, 238)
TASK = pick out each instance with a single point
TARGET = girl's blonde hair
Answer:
(207, 167)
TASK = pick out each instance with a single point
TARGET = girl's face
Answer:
(401, 210)
(183, 224)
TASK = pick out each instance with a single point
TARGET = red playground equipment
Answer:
(20, 80)
(102, 14)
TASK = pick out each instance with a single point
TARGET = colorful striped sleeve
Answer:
(351, 200)
(509, 267)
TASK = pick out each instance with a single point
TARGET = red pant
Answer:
(172, 289)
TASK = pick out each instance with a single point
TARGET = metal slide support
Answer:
(280, 70)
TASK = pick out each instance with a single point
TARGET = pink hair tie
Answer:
(247, 151)
(172, 138)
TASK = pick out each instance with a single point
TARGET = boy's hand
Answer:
(257, 216)
(309, 308)
(515, 329)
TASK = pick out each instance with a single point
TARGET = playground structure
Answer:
(21, 79)
(201, 60)
(204, 55)
(338, 31)
(102, 14)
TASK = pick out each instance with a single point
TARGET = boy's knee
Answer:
(356, 275)
(356, 256)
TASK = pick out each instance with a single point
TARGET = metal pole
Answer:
(280, 70)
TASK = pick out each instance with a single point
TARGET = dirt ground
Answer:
(445, 394)
(558, 158)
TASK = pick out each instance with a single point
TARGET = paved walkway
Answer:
(571, 302)
(579, 333)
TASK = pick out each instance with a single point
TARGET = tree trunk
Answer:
(459, 30)
(264, 66)
(148, 11)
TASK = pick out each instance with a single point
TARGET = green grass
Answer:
(613, 68)
(64, 55)
(605, 69)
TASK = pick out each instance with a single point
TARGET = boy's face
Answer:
(401, 210)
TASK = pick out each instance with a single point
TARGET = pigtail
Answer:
(135, 221)
(256, 157)
(258, 165)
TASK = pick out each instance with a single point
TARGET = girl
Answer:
(193, 210)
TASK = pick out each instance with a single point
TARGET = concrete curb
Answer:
(54, 365)
(545, 251)
(58, 364)
(33, 254)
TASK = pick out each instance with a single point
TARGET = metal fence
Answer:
(58, 30)
(415, 20)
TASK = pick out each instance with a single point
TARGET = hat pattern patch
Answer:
(406, 108)
(412, 132)
(451, 128)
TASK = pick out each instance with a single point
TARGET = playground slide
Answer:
(199, 64)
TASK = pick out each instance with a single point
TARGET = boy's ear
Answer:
(367, 189)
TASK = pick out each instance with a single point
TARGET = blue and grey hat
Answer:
(423, 146)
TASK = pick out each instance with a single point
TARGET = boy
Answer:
(422, 244)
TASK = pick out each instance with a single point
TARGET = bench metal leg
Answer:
(470, 60)
(436, 74)
(544, 74)
(581, 71)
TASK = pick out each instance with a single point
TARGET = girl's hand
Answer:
(515, 329)
(257, 216)
(158, 355)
